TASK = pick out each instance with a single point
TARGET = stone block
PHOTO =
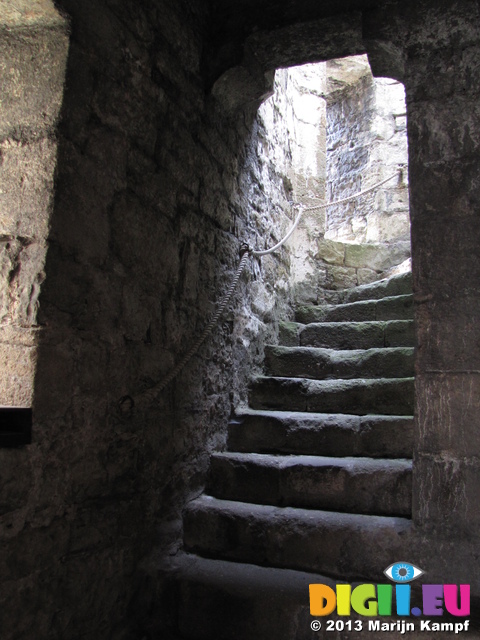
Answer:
(21, 274)
(31, 553)
(447, 330)
(442, 190)
(437, 268)
(321, 434)
(306, 292)
(400, 333)
(330, 251)
(384, 226)
(376, 256)
(355, 335)
(29, 13)
(9, 249)
(398, 285)
(263, 301)
(385, 396)
(383, 128)
(22, 336)
(366, 276)
(26, 187)
(236, 592)
(446, 128)
(332, 297)
(395, 308)
(309, 109)
(349, 485)
(32, 71)
(397, 199)
(26, 282)
(341, 277)
(359, 227)
(240, 476)
(137, 234)
(321, 364)
(445, 490)
(295, 538)
(341, 232)
(84, 197)
(17, 372)
(364, 310)
(364, 255)
(453, 432)
(313, 221)
(288, 333)
(54, 382)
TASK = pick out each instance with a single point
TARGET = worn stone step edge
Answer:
(338, 434)
(348, 335)
(357, 335)
(352, 485)
(196, 598)
(391, 308)
(338, 544)
(396, 285)
(320, 363)
(200, 598)
(387, 396)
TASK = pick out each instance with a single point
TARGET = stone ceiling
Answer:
(279, 33)
(274, 13)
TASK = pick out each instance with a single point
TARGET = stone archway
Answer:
(415, 45)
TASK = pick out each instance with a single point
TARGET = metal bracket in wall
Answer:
(15, 426)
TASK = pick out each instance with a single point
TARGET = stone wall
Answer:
(156, 189)
(307, 128)
(342, 265)
(33, 52)
(366, 143)
(363, 146)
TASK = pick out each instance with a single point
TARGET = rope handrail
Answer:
(324, 205)
(151, 394)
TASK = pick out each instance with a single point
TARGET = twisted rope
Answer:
(150, 395)
(321, 206)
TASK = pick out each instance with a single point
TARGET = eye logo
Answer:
(372, 600)
(403, 572)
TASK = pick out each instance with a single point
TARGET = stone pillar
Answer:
(445, 170)
(436, 44)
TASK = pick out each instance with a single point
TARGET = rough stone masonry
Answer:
(124, 205)
(131, 241)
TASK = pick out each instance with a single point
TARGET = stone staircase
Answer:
(316, 480)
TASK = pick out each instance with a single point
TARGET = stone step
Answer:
(395, 286)
(289, 333)
(393, 308)
(321, 434)
(352, 485)
(341, 545)
(195, 598)
(204, 599)
(357, 335)
(319, 364)
(385, 396)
